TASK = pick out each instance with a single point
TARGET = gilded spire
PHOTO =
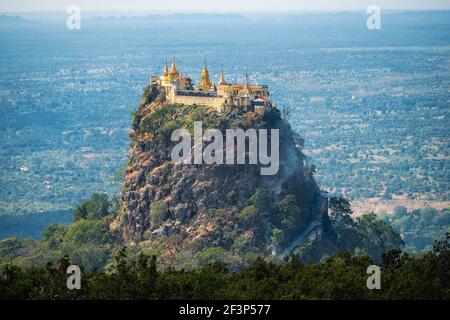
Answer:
(205, 82)
(205, 69)
(246, 89)
(173, 69)
(165, 78)
(222, 79)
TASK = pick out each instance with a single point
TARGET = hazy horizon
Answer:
(57, 15)
(178, 6)
(170, 12)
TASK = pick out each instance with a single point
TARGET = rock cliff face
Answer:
(193, 214)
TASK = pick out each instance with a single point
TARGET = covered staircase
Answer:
(300, 238)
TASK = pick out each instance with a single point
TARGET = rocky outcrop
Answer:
(192, 214)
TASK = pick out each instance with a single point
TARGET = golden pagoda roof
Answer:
(205, 81)
(246, 89)
(173, 69)
(222, 79)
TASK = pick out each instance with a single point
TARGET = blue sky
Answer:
(219, 5)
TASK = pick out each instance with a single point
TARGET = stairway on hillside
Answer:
(302, 236)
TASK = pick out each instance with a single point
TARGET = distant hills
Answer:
(31, 225)
(27, 18)
(179, 17)
(6, 20)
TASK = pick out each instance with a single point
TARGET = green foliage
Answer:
(11, 248)
(339, 207)
(212, 254)
(288, 213)
(260, 199)
(341, 276)
(97, 207)
(419, 227)
(277, 236)
(241, 244)
(150, 92)
(248, 213)
(366, 234)
(54, 235)
(159, 212)
(88, 240)
(377, 236)
(87, 231)
(161, 122)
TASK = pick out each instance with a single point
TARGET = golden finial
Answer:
(173, 69)
(205, 82)
(166, 68)
(222, 79)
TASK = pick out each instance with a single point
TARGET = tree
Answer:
(54, 235)
(288, 213)
(277, 236)
(248, 214)
(400, 211)
(377, 237)
(97, 207)
(339, 207)
(260, 199)
(86, 231)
